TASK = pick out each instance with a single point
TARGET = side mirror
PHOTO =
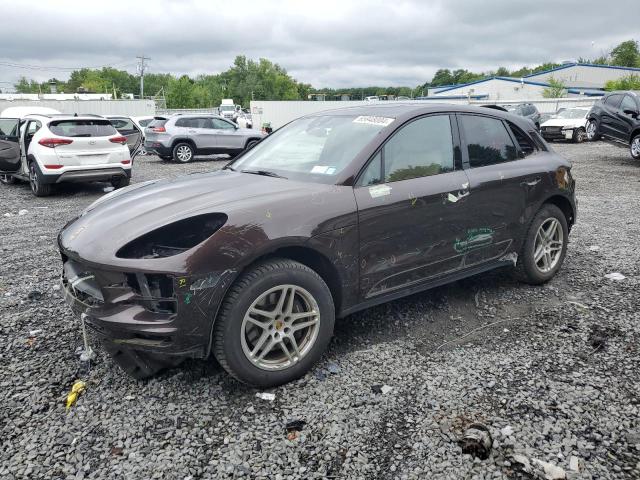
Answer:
(633, 113)
(236, 126)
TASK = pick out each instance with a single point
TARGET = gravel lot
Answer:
(552, 371)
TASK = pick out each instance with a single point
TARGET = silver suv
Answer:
(181, 137)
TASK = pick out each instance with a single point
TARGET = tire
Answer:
(182, 152)
(251, 144)
(38, 188)
(592, 129)
(528, 269)
(120, 182)
(234, 337)
(579, 135)
(634, 147)
(137, 364)
(7, 179)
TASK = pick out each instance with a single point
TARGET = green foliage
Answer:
(556, 89)
(631, 82)
(626, 54)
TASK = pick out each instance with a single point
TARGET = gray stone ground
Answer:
(557, 379)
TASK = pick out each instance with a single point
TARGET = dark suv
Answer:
(615, 118)
(527, 110)
(333, 213)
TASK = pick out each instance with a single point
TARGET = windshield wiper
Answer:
(266, 173)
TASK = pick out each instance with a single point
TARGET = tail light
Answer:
(121, 140)
(159, 129)
(125, 162)
(53, 167)
(54, 142)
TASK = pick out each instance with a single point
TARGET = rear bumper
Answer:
(81, 176)
(157, 148)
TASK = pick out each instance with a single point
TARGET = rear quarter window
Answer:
(82, 128)
(157, 123)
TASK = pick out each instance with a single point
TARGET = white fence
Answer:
(279, 113)
(97, 107)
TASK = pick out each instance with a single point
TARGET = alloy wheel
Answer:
(548, 245)
(635, 147)
(184, 153)
(280, 327)
(33, 178)
(591, 129)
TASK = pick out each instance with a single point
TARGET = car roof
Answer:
(65, 116)
(405, 111)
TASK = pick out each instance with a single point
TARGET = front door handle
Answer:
(531, 182)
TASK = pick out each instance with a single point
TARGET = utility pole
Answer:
(141, 69)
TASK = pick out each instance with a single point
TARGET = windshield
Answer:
(227, 108)
(573, 113)
(314, 149)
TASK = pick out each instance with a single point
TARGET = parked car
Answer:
(569, 124)
(615, 117)
(244, 120)
(228, 109)
(49, 149)
(127, 126)
(527, 110)
(181, 137)
(333, 213)
(142, 123)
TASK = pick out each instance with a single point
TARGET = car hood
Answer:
(274, 205)
(565, 122)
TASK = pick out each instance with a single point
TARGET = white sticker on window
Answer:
(383, 121)
(379, 191)
(319, 169)
(330, 170)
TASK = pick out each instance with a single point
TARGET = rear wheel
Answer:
(137, 364)
(274, 324)
(183, 153)
(6, 179)
(634, 147)
(545, 246)
(593, 133)
(120, 182)
(579, 135)
(38, 188)
(251, 144)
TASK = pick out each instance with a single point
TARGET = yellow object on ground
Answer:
(78, 388)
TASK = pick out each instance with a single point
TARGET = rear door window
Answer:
(527, 147)
(628, 103)
(122, 124)
(82, 128)
(613, 100)
(487, 140)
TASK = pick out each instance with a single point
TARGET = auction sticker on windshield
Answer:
(370, 120)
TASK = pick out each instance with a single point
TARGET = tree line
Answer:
(248, 80)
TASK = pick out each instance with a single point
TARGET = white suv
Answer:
(46, 149)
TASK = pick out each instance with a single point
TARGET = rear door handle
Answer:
(531, 182)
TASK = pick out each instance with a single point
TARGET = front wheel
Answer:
(634, 147)
(38, 188)
(183, 153)
(274, 324)
(545, 246)
(592, 130)
(120, 182)
(579, 135)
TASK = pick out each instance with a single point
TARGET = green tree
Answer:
(626, 54)
(556, 89)
(502, 72)
(631, 82)
(442, 77)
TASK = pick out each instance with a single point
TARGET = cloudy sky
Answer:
(326, 43)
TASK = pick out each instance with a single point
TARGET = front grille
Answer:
(96, 288)
(552, 129)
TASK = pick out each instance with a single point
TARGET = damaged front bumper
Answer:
(149, 311)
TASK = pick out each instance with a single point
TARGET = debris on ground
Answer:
(78, 388)
(383, 389)
(33, 333)
(34, 295)
(23, 212)
(594, 248)
(477, 441)
(333, 368)
(293, 428)
(549, 470)
(270, 397)
(615, 276)
(116, 451)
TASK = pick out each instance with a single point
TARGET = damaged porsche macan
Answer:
(332, 213)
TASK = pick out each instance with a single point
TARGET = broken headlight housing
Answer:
(174, 238)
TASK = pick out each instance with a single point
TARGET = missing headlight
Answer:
(174, 238)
